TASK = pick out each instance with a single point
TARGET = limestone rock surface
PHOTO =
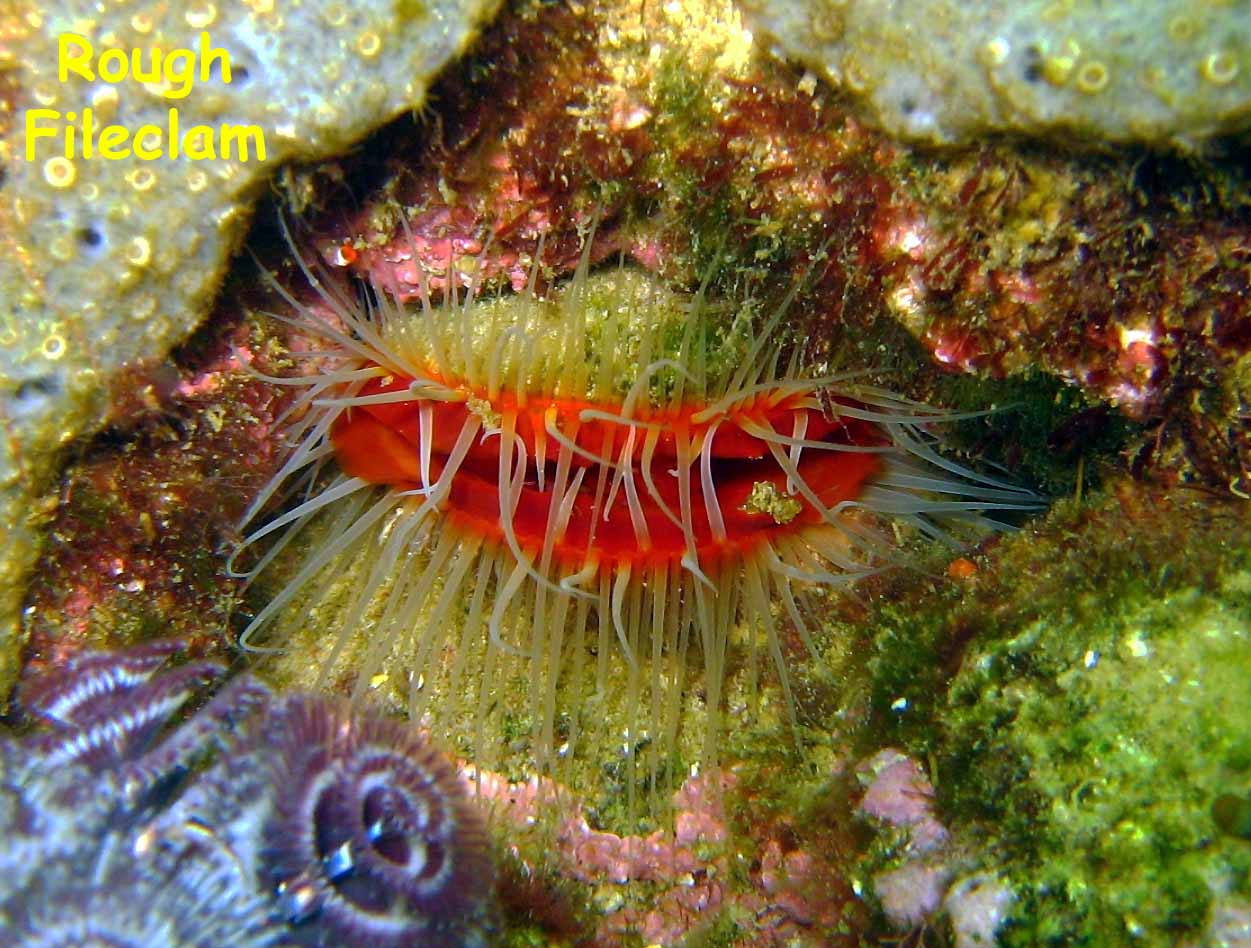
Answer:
(107, 264)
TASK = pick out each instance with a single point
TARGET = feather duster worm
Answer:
(373, 842)
(605, 485)
(255, 820)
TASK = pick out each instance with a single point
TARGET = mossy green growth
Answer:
(1083, 704)
(1046, 432)
(1086, 746)
(1053, 433)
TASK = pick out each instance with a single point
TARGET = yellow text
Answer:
(148, 142)
(175, 70)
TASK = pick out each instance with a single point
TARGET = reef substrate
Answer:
(1104, 297)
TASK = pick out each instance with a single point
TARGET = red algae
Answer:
(144, 515)
(704, 875)
(1123, 276)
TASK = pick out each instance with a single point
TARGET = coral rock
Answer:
(151, 241)
(1161, 73)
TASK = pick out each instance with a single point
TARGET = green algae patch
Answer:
(1093, 747)
(1056, 435)
(1082, 703)
(1090, 730)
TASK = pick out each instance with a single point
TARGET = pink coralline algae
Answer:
(900, 795)
(255, 821)
(977, 905)
(1128, 280)
(498, 178)
(439, 242)
(794, 896)
(146, 516)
